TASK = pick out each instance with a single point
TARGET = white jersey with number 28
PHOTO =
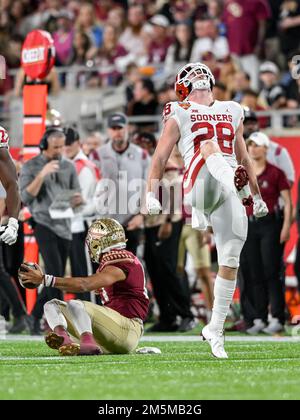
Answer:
(197, 123)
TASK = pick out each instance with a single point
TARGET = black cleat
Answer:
(188, 324)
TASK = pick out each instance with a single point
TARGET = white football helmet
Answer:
(193, 76)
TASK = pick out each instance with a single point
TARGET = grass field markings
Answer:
(201, 350)
(208, 358)
(175, 338)
(228, 338)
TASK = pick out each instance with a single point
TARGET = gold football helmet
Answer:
(104, 235)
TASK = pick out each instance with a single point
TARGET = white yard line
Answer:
(194, 338)
(173, 338)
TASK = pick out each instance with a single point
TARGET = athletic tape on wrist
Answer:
(49, 280)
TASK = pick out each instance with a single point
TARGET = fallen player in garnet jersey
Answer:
(115, 327)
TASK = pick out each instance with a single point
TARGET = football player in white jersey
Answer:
(9, 180)
(209, 135)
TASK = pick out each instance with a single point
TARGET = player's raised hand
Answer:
(260, 208)
(10, 231)
(152, 204)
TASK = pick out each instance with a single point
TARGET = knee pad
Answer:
(229, 254)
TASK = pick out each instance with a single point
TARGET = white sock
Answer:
(53, 315)
(223, 294)
(208, 315)
(221, 170)
(81, 319)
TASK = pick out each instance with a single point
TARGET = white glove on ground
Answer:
(10, 231)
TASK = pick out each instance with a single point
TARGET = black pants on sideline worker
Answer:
(246, 292)
(261, 262)
(161, 261)
(133, 239)
(55, 251)
(78, 260)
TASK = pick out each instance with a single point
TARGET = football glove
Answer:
(10, 231)
(260, 208)
(152, 204)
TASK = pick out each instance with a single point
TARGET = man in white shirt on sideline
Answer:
(88, 175)
(277, 155)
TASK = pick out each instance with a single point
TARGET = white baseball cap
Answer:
(259, 138)
(160, 20)
(269, 67)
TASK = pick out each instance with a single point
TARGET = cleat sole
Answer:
(72, 349)
(53, 340)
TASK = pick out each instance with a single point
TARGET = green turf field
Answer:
(184, 370)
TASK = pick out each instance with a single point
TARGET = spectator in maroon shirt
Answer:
(263, 250)
(160, 39)
(246, 27)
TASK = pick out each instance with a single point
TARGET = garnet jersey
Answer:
(197, 123)
(128, 297)
(4, 139)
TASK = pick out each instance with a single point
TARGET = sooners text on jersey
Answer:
(198, 123)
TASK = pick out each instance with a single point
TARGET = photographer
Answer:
(42, 179)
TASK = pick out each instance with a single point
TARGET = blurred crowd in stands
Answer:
(252, 47)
